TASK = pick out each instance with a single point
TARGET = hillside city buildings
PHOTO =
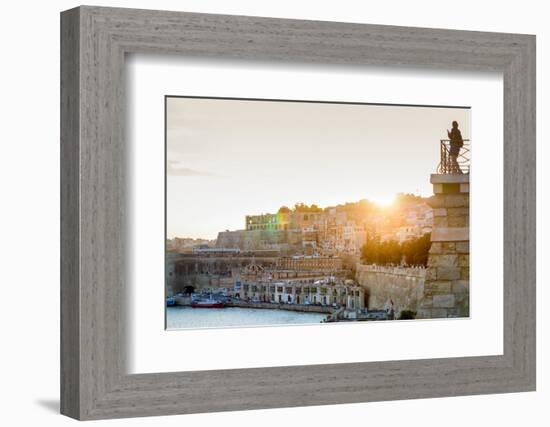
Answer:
(304, 255)
(331, 231)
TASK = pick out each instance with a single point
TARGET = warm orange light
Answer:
(383, 201)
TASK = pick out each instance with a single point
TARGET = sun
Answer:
(383, 201)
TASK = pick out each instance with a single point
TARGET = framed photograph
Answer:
(354, 251)
(261, 213)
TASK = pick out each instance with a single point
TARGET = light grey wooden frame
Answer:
(94, 41)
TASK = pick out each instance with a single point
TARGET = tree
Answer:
(416, 250)
(413, 252)
(370, 252)
(391, 252)
(302, 207)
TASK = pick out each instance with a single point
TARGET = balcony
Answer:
(448, 165)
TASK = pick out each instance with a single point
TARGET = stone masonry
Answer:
(403, 285)
(447, 283)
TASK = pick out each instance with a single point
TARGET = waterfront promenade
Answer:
(304, 308)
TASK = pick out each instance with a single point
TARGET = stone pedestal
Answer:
(447, 284)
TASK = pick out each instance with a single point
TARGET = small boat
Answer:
(170, 302)
(207, 303)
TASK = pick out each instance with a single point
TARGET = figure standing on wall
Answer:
(456, 143)
(390, 309)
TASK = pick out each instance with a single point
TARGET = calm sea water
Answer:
(187, 317)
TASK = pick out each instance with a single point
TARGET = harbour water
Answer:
(191, 318)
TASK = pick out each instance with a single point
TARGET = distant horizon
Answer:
(229, 158)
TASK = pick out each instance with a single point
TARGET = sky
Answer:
(230, 158)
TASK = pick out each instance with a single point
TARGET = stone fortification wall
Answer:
(405, 286)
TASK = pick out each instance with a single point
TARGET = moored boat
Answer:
(207, 303)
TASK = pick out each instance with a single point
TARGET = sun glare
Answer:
(383, 201)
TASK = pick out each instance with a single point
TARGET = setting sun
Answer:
(383, 201)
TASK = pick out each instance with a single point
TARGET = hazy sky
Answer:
(230, 158)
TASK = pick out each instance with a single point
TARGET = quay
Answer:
(334, 313)
(287, 307)
(186, 301)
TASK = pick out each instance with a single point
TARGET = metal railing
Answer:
(454, 164)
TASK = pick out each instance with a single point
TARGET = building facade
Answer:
(310, 263)
(328, 291)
